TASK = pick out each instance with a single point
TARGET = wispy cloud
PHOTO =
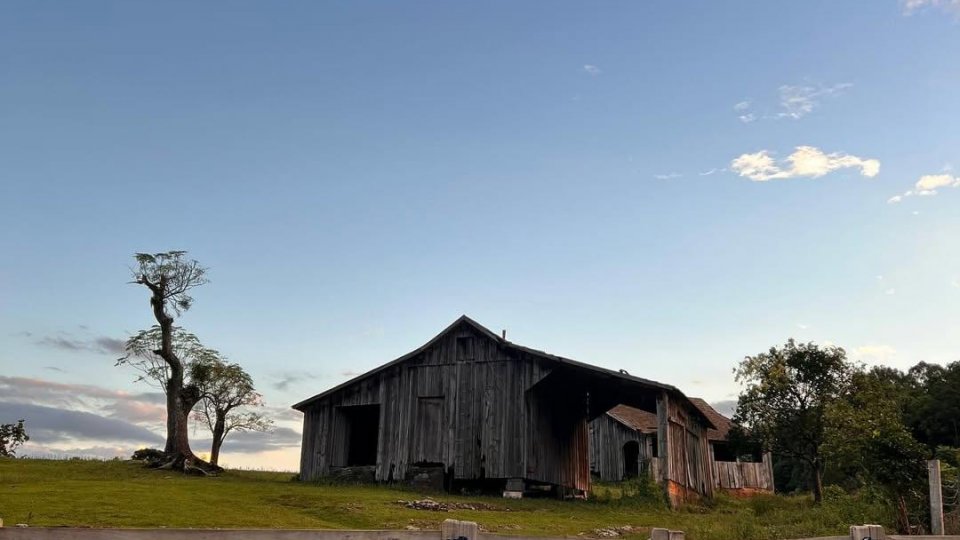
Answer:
(287, 379)
(667, 176)
(805, 161)
(713, 171)
(742, 108)
(927, 186)
(591, 69)
(799, 101)
(100, 344)
(912, 6)
(794, 102)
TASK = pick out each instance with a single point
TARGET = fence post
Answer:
(936, 497)
(453, 529)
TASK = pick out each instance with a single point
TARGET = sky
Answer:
(662, 187)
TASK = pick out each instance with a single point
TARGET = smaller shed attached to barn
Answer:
(623, 445)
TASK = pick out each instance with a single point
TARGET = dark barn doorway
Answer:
(631, 459)
(363, 428)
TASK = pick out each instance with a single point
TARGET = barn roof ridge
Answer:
(488, 333)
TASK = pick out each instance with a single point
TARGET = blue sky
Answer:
(358, 174)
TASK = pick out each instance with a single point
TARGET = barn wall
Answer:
(607, 438)
(685, 468)
(457, 404)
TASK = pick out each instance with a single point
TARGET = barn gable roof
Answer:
(646, 422)
(633, 418)
(719, 421)
(595, 370)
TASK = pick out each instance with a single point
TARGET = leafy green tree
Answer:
(12, 436)
(225, 407)
(170, 277)
(867, 439)
(934, 412)
(786, 393)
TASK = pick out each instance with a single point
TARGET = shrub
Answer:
(149, 455)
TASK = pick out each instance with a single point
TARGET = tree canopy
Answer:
(226, 406)
(11, 437)
(787, 391)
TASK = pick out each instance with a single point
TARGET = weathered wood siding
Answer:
(557, 447)
(685, 469)
(607, 439)
(462, 404)
(744, 476)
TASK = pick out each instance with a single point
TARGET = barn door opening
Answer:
(363, 429)
(631, 459)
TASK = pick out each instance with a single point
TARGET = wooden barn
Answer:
(624, 444)
(470, 406)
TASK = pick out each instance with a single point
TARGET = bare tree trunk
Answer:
(218, 437)
(817, 481)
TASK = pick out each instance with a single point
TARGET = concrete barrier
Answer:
(666, 534)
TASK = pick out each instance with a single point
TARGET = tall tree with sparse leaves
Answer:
(225, 407)
(170, 277)
(787, 391)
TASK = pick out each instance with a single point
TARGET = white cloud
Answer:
(803, 326)
(742, 106)
(667, 176)
(875, 353)
(805, 161)
(890, 292)
(799, 101)
(912, 6)
(712, 171)
(927, 186)
(591, 69)
(932, 182)
(747, 118)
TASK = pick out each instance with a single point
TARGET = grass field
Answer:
(124, 494)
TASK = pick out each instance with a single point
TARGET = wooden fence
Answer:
(740, 475)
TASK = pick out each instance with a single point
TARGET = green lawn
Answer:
(124, 494)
